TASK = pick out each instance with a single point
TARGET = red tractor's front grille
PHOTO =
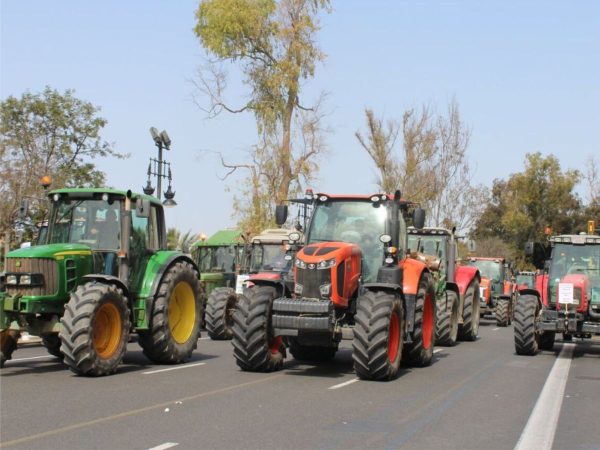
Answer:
(47, 267)
(311, 281)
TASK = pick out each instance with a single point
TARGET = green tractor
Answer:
(265, 259)
(102, 273)
(220, 258)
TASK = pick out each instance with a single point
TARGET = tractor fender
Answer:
(533, 292)
(276, 282)
(412, 271)
(387, 287)
(158, 264)
(450, 286)
(464, 276)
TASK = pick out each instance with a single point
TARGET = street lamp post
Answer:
(160, 168)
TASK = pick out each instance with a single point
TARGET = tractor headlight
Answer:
(25, 280)
(326, 264)
(11, 279)
(300, 264)
(325, 290)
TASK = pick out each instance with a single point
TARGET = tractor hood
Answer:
(325, 251)
(55, 251)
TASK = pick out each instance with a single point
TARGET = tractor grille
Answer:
(47, 267)
(311, 280)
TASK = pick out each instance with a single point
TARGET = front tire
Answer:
(446, 325)
(220, 307)
(420, 352)
(469, 329)
(8, 344)
(526, 339)
(254, 347)
(502, 313)
(95, 329)
(175, 317)
(378, 336)
(52, 343)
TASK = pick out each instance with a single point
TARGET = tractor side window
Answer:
(153, 241)
(139, 234)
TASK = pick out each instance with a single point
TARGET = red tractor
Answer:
(457, 287)
(567, 299)
(498, 291)
(353, 280)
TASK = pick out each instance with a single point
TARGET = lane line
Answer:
(341, 385)
(541, 426)
(496, 329)
(205, 338)
(133, 412)
(164, 446)
(32, 357)
(437, 350)
(172, 368)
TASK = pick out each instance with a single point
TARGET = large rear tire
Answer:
(419, 353)
(175, 317)
(378, 336)
(469, 329)
(52, 343)
(8, 344)
(95, 329)
(446, 325)
(254, 347)
(526, 338)
(502, 312)
(220, 307)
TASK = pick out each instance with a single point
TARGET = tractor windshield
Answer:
(269, 257)
(526, 279)
(569, 259)
(358, 222)
(95, 223)
(427, 244)
(491, 269)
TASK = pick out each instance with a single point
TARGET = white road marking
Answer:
(173, 368)
(437, 350)
(541, 426)
(164, 446)
(346, 383)
(205, 338)
(32, 357)
(496, 329)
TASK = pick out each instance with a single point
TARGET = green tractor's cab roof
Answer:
(221, 238)
(96, 193)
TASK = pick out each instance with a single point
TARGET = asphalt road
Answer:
(476, 395)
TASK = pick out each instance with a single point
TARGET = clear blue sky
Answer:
(526, 75)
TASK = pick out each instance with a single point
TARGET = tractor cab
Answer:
(525, 280)
(574, 273)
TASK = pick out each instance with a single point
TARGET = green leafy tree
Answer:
(48, 133)
(531, 203)
(273, 44)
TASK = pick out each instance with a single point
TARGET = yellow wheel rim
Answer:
(107, 330)
(182, 312)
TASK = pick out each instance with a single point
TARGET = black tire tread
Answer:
(251, 331)
(76, 335)
(502, 312)
(446, 325)
(157, 342)
(469, 329)
(371, 335)
(217, 325)
(415, 354)
(526, 341)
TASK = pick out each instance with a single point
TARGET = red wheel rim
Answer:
(275, 344)
(427, 321)
(394, 337)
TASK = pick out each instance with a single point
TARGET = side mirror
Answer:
(142, 207)
(281, 212)
(419, 218)
(529, 248)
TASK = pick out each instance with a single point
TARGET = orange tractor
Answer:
(352, 280)
(498, 291)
